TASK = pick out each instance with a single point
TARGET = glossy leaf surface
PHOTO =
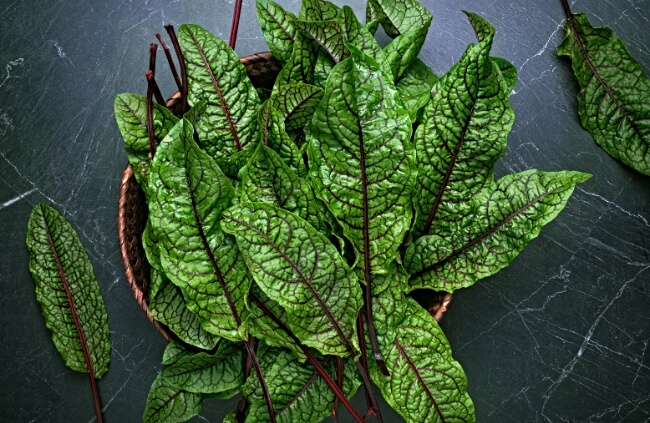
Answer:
(299, 393)
(131, 117)
(168, 307)
(360, 159)
(190, 194)
(166, 404)
(216, 75)
(505, 218)
(296, 266)
(426, 384)
(277, 28)
(296, 104)
(68, 292)
(464, 131)
(614, 97)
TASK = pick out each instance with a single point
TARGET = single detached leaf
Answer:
(277, 28)
(506, 217)
(190, 192)
(68, 292)
(425, 384)
(299, 394)
(216, 75)
(614, 97)
(464, 132)
(208, 373)
(166, 404)
(296, 104)
(360, 159)
(296, 266)
(131, 116)
(169, 308)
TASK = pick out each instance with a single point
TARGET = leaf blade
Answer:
(613, 99)
(504, 219)
(296, 266)
(68, 292)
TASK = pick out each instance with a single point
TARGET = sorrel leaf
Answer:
(216, 75)
(169, 308)
(272, 133)
(368, 188)
(327, 34)
(190, 192)
(425, 384)
(299, 393)
(464, 131)
(296, 104)
(267, 178)
(68, 292)
(218, 372)
(277, 28)
(398, 17)
(414, 88)
(298, 267)
(614, 97)
(166, 404)
(505, 218)
(131, 116)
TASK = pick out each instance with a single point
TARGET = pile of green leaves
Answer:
(287, 229)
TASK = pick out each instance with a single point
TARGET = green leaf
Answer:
(299, 394)
(296, 104)
(265, 328)
(403, 50)
(300, 66)
(204, 373)
(360, 159)
(68, 292)
(216, 75)
(318, 10)
(277, 28)
(166, 404)
(464, 132)
(298, 267)
(415, 87)
(614, 97)
(190, 192)
(272, 133)
(327, 34)
(267, 178)
(425, 384)
(505, 218)
(168, 307)
(398, 17)
(131, 116)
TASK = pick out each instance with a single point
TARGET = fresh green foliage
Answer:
(69, 295)
(68, 292)
(614, 97)
(294, 229)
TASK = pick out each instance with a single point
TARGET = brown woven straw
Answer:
(262, 69)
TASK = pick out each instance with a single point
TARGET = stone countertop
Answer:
(561, 335)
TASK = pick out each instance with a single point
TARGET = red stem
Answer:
(181, 62)
(250, 347)
(152, 140)
(170, 60)
(235, 24)
(153, 48)
(312, 360)
(77, 324)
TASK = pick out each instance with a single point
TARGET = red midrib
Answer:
(215, 83)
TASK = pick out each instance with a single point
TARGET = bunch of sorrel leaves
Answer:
(288, 229)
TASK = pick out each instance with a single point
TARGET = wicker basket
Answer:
(262, 69)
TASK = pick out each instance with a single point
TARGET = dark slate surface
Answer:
(560, 336)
